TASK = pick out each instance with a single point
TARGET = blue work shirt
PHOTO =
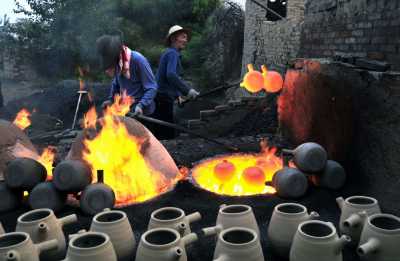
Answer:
(170, 84)
(141, 86)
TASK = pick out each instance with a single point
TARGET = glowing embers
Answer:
(255, 81)
(238, 174)
(22, 119)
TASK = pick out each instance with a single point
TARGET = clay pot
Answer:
(1, 229)
(234, 216)
(380, 238)
(97, 197)
(237, 244)
(309, 157)
(354, 213)
(174, 218)
(163, 244)
(290, 183)
(332, 177)
(10, 199)
(91, 246)
(45, 195)
(42, 225)
(72, 176)
(24, 173)
(116, 225)
(283, 226)
(18, 246)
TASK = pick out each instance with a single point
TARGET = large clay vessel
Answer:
(45, 195)
(380, 238)
(174, 218)
(309, 157)
(317, 241)
(72, 176)
(43, 225)
(116, 225)
(237, 244)
(283, 226)
(355, 210)
(332, 177)
(163, 244)
(24, 173)
(290, 183)
(10, 199)
(18, 246)
(91, 246)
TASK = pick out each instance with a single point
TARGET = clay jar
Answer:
(116, 225)
(174, 218)
(332, 177)
(309, 157)
(10, 199)
(24, 173)
(72, 176)
(237, 244)
(91, 246)
(290, 183)
(283, 226)
(355, 210)
(317, 241)
(163, 244)
(380, 238)
(42, 225)
(18, 246)
(45, 195)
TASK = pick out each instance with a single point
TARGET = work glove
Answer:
(106, 104)
(138, 111)
(192, 94)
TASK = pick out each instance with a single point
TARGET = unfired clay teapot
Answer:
(163, 244)
(317, 241)
(355, 210)
(380, 238)
(18, 246)
(116, 225)
(90, 246)
(283, 226)
(237, 244)
(43, 225)
(309, 157)
(174, 218)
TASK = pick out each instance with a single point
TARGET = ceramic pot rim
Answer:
(49, 211)
(182, 214)
(222, 210)
(304, 209)
(327, 224)
(225, 231)
(26, 235)
(382, 230)
(164, 246)
(90, 233)
(96, 217)
(374, 201)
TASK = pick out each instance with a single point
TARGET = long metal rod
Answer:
(268, 9)
(77, 108)
(178, 127)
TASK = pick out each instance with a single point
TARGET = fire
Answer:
(22, 119)
(47, 159)
(239, 174)
(117, 152)
(255, 81)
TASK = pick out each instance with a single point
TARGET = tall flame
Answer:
(22, 119)
(47, 159)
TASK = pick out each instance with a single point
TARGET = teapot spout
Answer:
(340, 202)
(194, 217)
(188, 239)
(355, 219)
(210, 231)
(13, 255)
(175, 253)
(368, 248)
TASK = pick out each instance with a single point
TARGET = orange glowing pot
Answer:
(253, 80)
(254, 176)
(224, 170)
(273, 82)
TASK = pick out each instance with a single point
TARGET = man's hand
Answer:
(106, 104)
(138, 111)
(192, 94)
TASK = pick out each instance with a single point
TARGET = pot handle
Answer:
(355, 219)
(313, 215)
(47, 245)
(340, 202)
(368, 247)
(210, 231)
(77, 234)
(13, 255)
(190, 238)
(68, 220)
(196, 216)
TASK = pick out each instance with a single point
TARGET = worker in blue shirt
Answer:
(131, 73)
(171, 85)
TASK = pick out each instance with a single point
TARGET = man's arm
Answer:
(172, 75)
(148, 81)
(114, 89)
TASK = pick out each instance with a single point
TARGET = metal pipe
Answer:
(178, 127)
(77, 107)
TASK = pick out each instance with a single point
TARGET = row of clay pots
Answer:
(376, 235)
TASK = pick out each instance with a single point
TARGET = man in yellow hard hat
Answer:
(170, 84)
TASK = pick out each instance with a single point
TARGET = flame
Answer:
(22, 119)
(255, 81)
(117, 152)
(238, 184)
(90, 118)
(47, 159)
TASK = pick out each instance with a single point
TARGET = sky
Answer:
(7, 6)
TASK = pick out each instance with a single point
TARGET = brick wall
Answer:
(361, 28)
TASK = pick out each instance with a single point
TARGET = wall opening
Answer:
(277, 10)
